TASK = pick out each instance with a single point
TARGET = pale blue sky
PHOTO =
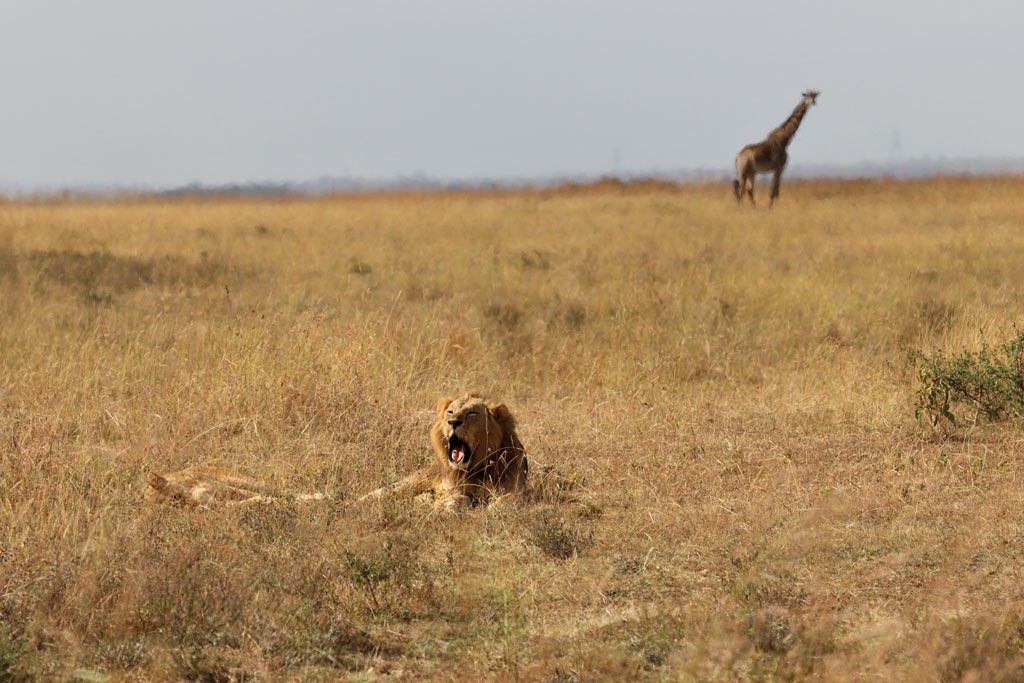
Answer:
(164, 93)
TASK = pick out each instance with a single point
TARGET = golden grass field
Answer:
(726, 390)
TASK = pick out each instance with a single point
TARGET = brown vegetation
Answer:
(717, 400)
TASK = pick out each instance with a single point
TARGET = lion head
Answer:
(470, 432)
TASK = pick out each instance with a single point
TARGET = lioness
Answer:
(214, 486)
(478, 456)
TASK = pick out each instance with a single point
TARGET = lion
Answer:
(214, 487)
(478, 457)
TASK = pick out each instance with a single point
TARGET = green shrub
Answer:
(990, 382)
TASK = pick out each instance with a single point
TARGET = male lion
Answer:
(478, 456)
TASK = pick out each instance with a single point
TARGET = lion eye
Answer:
(448, 412)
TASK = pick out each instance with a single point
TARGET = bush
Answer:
(558, 538)
(990, 382)
(12, 649)
(391, 582)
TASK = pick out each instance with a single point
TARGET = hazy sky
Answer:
(163, 93)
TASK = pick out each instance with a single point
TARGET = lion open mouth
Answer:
(458, 451)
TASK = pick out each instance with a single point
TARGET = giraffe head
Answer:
(810, 96)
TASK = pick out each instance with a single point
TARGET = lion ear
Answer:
(157, 481)
(503, 416)
(443, 404)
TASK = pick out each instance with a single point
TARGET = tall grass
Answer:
(726, 389)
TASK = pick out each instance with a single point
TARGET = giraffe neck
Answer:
(785, 132)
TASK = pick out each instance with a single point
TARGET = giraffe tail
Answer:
(736, 188)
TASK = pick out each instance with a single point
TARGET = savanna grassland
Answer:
(716, 401)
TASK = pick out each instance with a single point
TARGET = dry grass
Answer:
(727, 387)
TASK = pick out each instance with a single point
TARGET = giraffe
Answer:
(769, 155)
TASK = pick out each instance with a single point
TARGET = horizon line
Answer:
(903, 169)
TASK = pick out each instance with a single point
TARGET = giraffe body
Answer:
(769, 155)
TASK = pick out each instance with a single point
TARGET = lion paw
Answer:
(452, 504)
(505, 501)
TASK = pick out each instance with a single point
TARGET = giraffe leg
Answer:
(750, 189)
(739, 185)
(776, 182)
